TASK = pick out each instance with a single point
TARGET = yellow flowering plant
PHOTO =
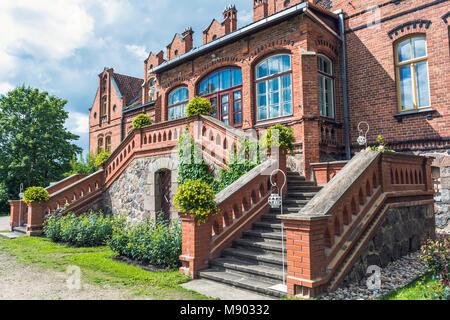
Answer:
(196, 197)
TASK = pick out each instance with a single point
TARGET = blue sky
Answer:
(60, 46)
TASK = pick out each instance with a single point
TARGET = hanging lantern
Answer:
(362, 140)
(275, 201)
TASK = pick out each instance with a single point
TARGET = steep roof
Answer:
(128, 86)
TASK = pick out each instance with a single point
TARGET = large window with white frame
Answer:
(274, 87)
(412, 73)
(178, 100)
(326, 87)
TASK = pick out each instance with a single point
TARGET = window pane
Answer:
(225, 81)
(321, 96)
(237, 95)
(287, 109)
(419, 45)
(203, 89)
(225, 109)
(214, 105)
(285, 63)
(274, 111)
(262, 87)
(406, 88)
(237, 118)
(274, 98)
(262, 113)
(237, 106)
(236, 77)
(287, 95)
(274, 65)
(225, 98)
(274, 84)
(286, 81)
(404, 51)
(262, 70)
(214, 83)
(262, 101)
(422, 84)
(171, 113)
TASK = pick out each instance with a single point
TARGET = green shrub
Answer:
(199, 106)
(141, 120)
(154, 241)
(189, 169)
(4, 197)
(83, 165)
(196, 197)
(286, 138)
(35, 194)
(88, 230)
(380, 147)
(436, 254)
(102, 158)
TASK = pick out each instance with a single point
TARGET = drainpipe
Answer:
(344, 85)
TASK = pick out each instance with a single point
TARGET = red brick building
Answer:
(287, 67)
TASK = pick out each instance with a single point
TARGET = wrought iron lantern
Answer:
(275, 201)
(362, 139)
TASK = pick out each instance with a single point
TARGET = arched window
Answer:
(100, 145)
(178, 99)
(224, 89)
(412, 73)
(152, 90)
(274, 87)
(108, 144)
(326, 86)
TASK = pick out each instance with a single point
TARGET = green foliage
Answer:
(436, 254)
(88, 230)
(141, 120)
(286, 139)
(4, 197)
(192, 165)
(241, 163)
(381, 146)
(35, 146)
(154, 241)
(102, 158)
(85, 165)
(199, 106)
(35, 194)
(196, 197)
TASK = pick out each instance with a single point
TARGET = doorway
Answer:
(164, 187)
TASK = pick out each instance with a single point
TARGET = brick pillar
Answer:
(17, 217)
(305, 246)
(36, 217)
(196, 245)
(428, 174)
(311, 113)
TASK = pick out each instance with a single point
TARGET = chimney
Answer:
(260, 9)
(230, 19)
(188, 37)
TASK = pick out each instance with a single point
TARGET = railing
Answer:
(78, 196)
(341, 218)
(240, 205)
(324, 172)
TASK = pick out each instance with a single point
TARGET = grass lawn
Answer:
(420, 289)
(98, 267)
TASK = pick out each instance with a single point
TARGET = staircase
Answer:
(254, 262)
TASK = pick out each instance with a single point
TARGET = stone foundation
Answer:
(400, 233)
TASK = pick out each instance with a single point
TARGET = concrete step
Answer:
(255, 233)
(243, 282)
(259, 256)
(295, 182)
(290, 201)
(11, 235)
(22, 229)
(264, 245)
(273, 227)
(300, 188)
(247, 268)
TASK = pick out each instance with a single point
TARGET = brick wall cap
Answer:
(297, 217)
(76, 183)
(328, 163)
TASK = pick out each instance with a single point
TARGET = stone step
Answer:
(298, 195)
(247, 268)
(271, 216)
(11, 235)
(294, 182)
(295, 201)
(267, 246)
(255, 233)
(300, 188)
(243, 282)
(260, 256)
(273, 227)
(22, 229)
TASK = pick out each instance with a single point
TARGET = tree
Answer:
(35, 146)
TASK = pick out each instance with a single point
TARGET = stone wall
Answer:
(135, 192)
(401, 232)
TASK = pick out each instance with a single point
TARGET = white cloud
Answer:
(78, 123)
(5, 87)
(138, 51)
(43, 29)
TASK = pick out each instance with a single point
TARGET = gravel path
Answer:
(28, 282)
(4, 223)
